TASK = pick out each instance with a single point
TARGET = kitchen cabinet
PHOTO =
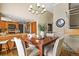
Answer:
(9, 27)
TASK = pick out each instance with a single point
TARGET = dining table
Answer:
(42, 42)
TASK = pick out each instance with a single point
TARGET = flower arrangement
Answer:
(42, 30)
(42, 27)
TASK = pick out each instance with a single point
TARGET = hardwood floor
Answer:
(65, 52)
(12, 52)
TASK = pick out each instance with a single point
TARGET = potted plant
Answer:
(42, 30)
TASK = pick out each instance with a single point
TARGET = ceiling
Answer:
(49, 7)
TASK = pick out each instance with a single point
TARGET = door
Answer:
(34, 27)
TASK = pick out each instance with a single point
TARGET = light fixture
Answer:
(38, 5)
(31, 6)
(36, 12)
(33, 11)
(43, 6)
(37, 9)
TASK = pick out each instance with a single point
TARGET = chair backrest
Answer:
(20, 46)
(3, 42)
(57, 46)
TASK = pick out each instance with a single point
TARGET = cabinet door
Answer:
(2, 24)
(34, 27)
(28, 27)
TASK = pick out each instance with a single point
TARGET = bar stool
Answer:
(4, 46)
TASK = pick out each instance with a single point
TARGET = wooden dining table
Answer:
(40, 43)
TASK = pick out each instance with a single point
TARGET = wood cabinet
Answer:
(28, 27)
(34, 27)
(31, 27)
(12, 27)
(4, 25)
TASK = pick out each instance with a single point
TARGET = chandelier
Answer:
(37, 9)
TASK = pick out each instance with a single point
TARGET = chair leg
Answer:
(6, 49)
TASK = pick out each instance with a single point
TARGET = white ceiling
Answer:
(49, 7)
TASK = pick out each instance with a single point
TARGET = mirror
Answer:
(60, 22)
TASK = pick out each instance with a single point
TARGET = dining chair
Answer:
(56, 48)
(22, 50)
(19, 46)
(4, 46)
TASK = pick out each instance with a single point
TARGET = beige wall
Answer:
(60, 11)
(45, 19)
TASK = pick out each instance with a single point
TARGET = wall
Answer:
(45, 19)
(60, 11)
(0, 7)
(71, 35)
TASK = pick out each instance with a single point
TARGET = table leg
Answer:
(41, 49)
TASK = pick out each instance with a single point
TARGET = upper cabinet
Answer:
(12, 27)
(9, 27)
(2, 26)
